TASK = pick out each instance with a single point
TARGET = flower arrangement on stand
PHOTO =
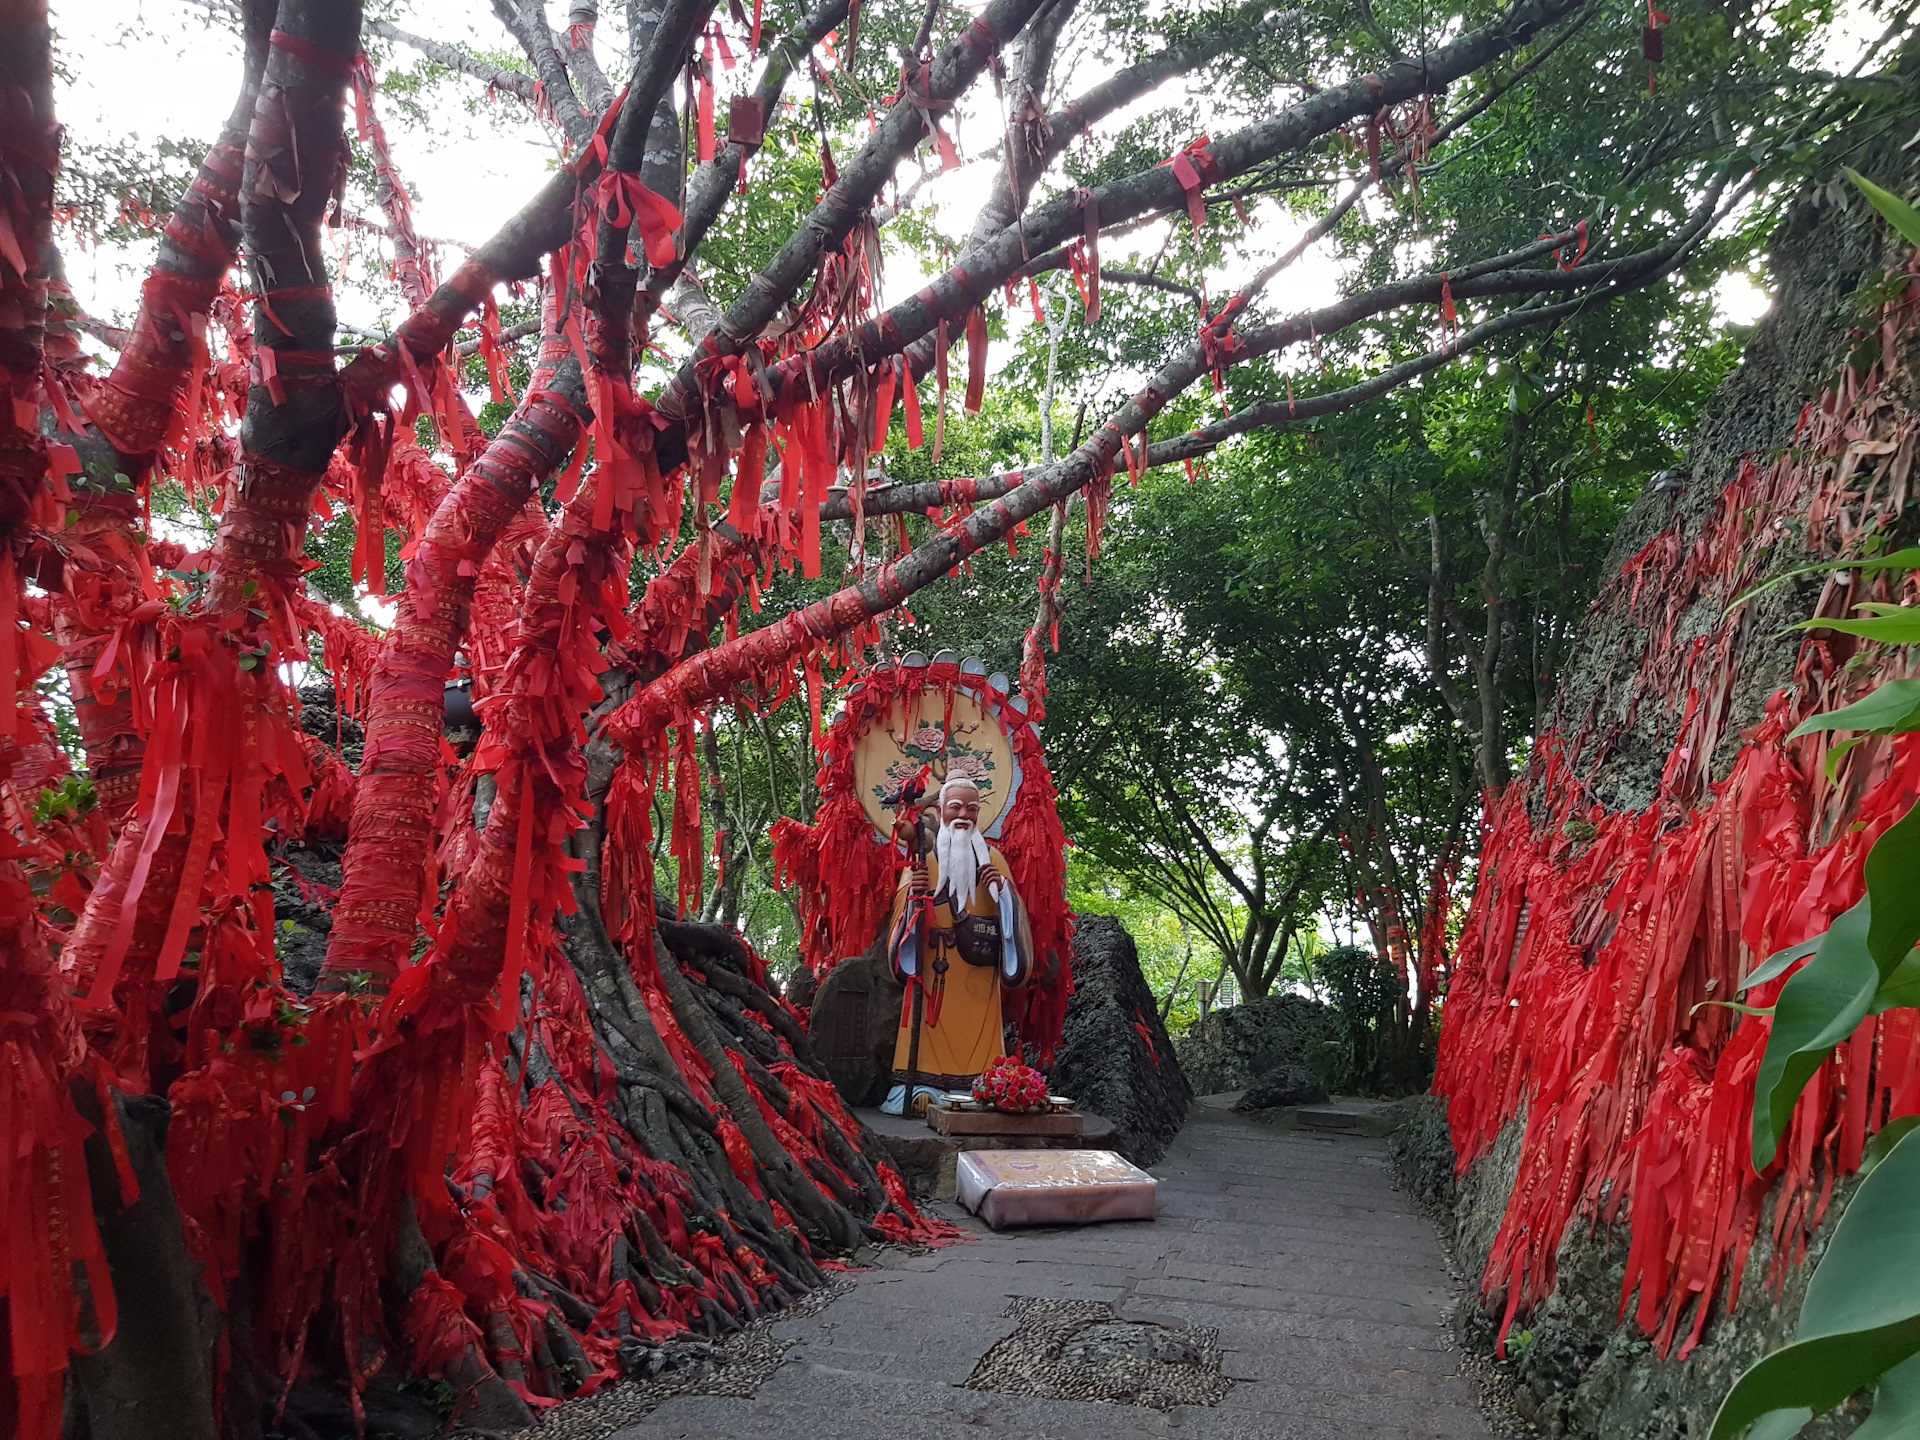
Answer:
(1008, 1085)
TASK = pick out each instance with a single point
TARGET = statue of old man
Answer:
(959, 936)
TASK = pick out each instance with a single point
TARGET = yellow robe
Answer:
(969, 1033)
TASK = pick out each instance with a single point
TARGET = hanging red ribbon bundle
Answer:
(1653, 41)
(1193, 166)
(625, 201)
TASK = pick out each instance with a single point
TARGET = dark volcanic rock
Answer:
(1104, 1061)
(1288, 1084)
(802, 985)
(854, 1021)
(1230, 1049)
(303, 895)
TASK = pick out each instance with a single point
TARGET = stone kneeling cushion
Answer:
(1053, 1187)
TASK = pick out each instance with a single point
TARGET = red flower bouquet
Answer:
(1010, 1086)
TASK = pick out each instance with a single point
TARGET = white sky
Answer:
(141, 69)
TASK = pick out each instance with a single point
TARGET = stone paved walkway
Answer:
(1325, 1286)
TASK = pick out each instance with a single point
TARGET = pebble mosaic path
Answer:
(1324, 1288)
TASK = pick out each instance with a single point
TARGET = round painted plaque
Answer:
(897, 743)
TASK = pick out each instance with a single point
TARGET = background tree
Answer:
(532, 1119)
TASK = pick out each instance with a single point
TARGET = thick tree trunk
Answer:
(389, 855)
(155, 1380)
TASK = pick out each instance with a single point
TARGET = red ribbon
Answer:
(625, 201)
(1193, 167)
(976, 359)
(317, 56)
(910, 393)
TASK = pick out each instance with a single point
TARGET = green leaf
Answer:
(1893, 709)
(1730, 1005)
(1896, 1405)
(1776, 964)
(1881, 1145)
(1837, 753)
(1902, 628)
(1861, 1316)
(1780, 1424)
(1902, 216)
(1907, 559)
(1820, 1006)
(1893, 881)
(1901, 989)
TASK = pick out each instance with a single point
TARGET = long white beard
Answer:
(962, 854)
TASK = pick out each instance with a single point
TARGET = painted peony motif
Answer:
(928, 741)
(974, 766)
(924, 745)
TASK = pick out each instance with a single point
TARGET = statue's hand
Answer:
(918, 885)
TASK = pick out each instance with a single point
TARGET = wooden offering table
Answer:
(949, 1119)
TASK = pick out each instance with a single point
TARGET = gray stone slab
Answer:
(855, 1339)
(1325, 1289)
(698, 1417)
(1436, 1412)
(912, 1399)
(1326, 1277)
(1384, 1309)
(1241, 1328)
(1310, 1363)
(1197, 1424)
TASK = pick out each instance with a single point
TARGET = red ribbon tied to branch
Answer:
(1221, 346)
(1193, 167)
(1653, 43)
(1579, 254)
(625, 201)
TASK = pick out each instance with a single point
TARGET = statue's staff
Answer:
(906, 806)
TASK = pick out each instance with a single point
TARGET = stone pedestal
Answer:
(928, 1161)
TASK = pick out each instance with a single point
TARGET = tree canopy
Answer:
(580, 520)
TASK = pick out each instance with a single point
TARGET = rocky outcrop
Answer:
(1230, 1049)
(1581, 1363)
(1115, 1058)
(1575, 1370)
(855, 1020)
(1285, 1084)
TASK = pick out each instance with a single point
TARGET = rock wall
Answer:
(1576, 1370)
(1115, 1057)
(1230, 1049)
(1581, 1370)
(854, 1016)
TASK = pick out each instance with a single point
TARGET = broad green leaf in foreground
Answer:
(1901, 989)
(1881, 1145)
(1902, 216)
(1780, 1424)
(1893, 883)
(1861, 1317)
(1891, 710)
(1896, 1405)
(1777, 964)
(1907, 559)
(1820, 1006)
(1899, 628)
